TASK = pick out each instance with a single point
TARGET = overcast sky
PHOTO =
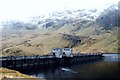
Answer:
(22, 9)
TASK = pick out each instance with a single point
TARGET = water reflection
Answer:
(104, 68)
(112, 57)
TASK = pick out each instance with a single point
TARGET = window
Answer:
(66, 49)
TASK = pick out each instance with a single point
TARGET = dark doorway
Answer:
(64, 54)
(53, 54)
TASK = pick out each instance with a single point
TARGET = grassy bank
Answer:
(8, 74)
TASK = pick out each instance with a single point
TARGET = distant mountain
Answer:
(16, 25)
(59, 19)
(109, 18)
(83, 30)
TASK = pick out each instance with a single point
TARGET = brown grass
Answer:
(12, 74)
(41, 42)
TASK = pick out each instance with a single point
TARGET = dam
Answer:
(45, 60)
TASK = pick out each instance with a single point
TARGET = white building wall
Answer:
(57, 52)
(67, 51)
(60, 52)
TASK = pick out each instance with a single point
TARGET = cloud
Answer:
(20, 9)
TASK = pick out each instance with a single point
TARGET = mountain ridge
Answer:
(82, 31)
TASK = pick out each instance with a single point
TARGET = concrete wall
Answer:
(67, 51)
(57, 52)
(60, 52)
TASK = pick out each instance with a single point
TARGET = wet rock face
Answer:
(74, 40)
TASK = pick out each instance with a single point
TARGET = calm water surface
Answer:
(107, 67)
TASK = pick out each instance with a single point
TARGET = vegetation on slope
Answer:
(8, 74)
(41, 42)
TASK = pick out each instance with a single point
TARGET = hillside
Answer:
(84, 31)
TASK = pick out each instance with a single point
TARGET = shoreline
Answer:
(10, 74)
(48, 54)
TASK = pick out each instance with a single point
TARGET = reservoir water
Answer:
(107, 67)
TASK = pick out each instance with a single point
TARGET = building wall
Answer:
(67, 51)
(59, 52)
